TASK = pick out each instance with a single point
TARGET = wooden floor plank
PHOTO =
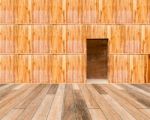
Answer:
(34, 105)
(81, 109)
(57, 105)
(123, 102)
(97, 114)
(90, 101)
(13, 114)
(145, 100)
(69, 106)
(44, 108)
(74, 102)
(104, 106)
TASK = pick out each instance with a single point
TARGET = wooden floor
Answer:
(74, 102)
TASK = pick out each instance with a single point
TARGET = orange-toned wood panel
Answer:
(7, 11)
(24, 65)
(40, 11)
(8, 68)
(22, 11)
(58, 67)
(123, 11)
(75, 39)
(76, 68)
(40, 69)
(57, 11)
(128, 68)
(40, 39)
(148, 80)
(119, 69)
(8, 42)
(138, 68)
(23, 36)
(146, 38)
(73, 11)
(140, 11)
(90, 11)
(57, 38)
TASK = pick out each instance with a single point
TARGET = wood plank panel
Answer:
(140, 11)
(75, 40)
(90, 11)
(24, 64)
(8, 69)
(146, 39)
(40, 69)
(138, 68)
(7, 11)
(119, 67)
(124, 11)
(23, 37)
(73, 11)
(8, 42)
(57, 11)
(57, 38)
(40, 39)
(76, 71)
(58, 69)
(40, 11)
(107, 11)
(23, 11)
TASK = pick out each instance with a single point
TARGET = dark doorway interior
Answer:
(97, 50)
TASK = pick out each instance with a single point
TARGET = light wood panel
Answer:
(8, 42)
(58, 69)
(75, 39)
(119, 69)
(7, 11)
(40, 11)
(23, 36)
(57, 11)
(75, 66)
(128, 68)
(22, 11)
(57, 38)
(139, 68)
(8, 68)
(40, 39)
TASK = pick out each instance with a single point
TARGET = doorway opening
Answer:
(97, 60)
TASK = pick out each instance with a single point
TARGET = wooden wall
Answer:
(44, 41)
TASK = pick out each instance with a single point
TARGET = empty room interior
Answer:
(74, 59)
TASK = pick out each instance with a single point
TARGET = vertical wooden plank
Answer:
(40, 9)
(23, 37)
(107, 12)
(57, 11)
(7, 11)
(119, 69)
(23, 11)
(146, 41)
(40, 69)
(76, 70)
(7, 40)
(90, 11)
(57, 38)
(58, 68)
(75, 39)
(124, 13)
(138, 68)
(40, 39)
(140, 11)
(74, 11)
(24, 64)
(8, 68)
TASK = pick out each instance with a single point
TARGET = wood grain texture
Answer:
(75, 68)
(40, 102)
